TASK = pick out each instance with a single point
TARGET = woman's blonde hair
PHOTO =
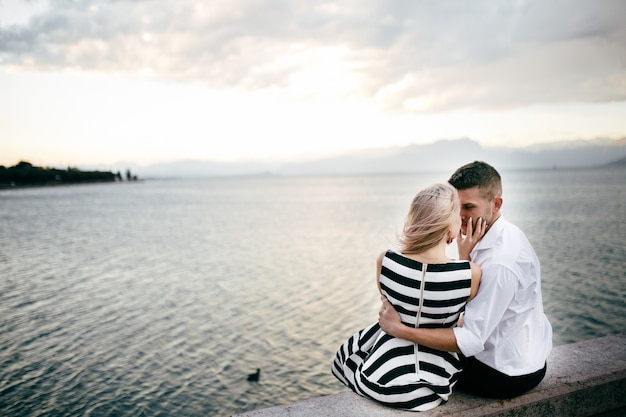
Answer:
(432, 212)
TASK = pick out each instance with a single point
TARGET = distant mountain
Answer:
(619, 163)
(449, 154)
(444, 155)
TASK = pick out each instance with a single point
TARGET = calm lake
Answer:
(158, 298)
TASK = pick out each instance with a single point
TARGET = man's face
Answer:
(474, 206)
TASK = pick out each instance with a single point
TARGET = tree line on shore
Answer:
(24, 173)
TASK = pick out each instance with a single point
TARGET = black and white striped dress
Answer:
(397, 372)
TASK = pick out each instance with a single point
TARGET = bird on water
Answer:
(255, 376)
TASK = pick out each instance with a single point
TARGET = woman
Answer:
(428, 290)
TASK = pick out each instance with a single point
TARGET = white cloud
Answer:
(417, 56)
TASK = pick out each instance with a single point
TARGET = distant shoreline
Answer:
(4, 186)
(24, 174)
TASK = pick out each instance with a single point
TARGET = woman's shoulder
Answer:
(394, 257)
(384, 254)
(452, 265)
(460, 263)
(390, 253)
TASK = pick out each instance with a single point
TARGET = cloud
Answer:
(408, 55)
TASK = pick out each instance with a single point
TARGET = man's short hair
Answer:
(478, 174)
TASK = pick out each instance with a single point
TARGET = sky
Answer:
(86, 83)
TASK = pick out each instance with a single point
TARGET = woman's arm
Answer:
(465, 243)
(379, 267)
(477, 273)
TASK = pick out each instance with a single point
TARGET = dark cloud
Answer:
(416, 55)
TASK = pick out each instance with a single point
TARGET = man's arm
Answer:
(390, 322)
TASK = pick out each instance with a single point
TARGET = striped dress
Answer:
(397, 372)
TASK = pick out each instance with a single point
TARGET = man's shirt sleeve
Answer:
(485, 312)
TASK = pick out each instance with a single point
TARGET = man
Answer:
(505, 337)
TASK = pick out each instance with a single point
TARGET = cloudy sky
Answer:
(145, 81)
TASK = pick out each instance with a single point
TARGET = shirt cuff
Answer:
(468, 344)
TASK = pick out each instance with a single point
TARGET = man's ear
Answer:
(497, 204)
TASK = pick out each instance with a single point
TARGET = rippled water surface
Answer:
(158, 298)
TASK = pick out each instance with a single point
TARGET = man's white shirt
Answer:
(505, 326)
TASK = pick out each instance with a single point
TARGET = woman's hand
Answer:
(389, 319)
(466, 243)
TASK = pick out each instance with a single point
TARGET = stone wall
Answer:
(583, 379)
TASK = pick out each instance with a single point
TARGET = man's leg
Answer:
(484, 381)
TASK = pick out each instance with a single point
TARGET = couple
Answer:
(413, 356)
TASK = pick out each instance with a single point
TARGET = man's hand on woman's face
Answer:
(467, 242)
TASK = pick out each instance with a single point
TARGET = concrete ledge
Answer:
(583, 379)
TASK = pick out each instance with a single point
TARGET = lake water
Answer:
(158, 298)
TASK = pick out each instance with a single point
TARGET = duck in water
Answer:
(255, 376)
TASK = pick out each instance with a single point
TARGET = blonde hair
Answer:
(432, 212)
